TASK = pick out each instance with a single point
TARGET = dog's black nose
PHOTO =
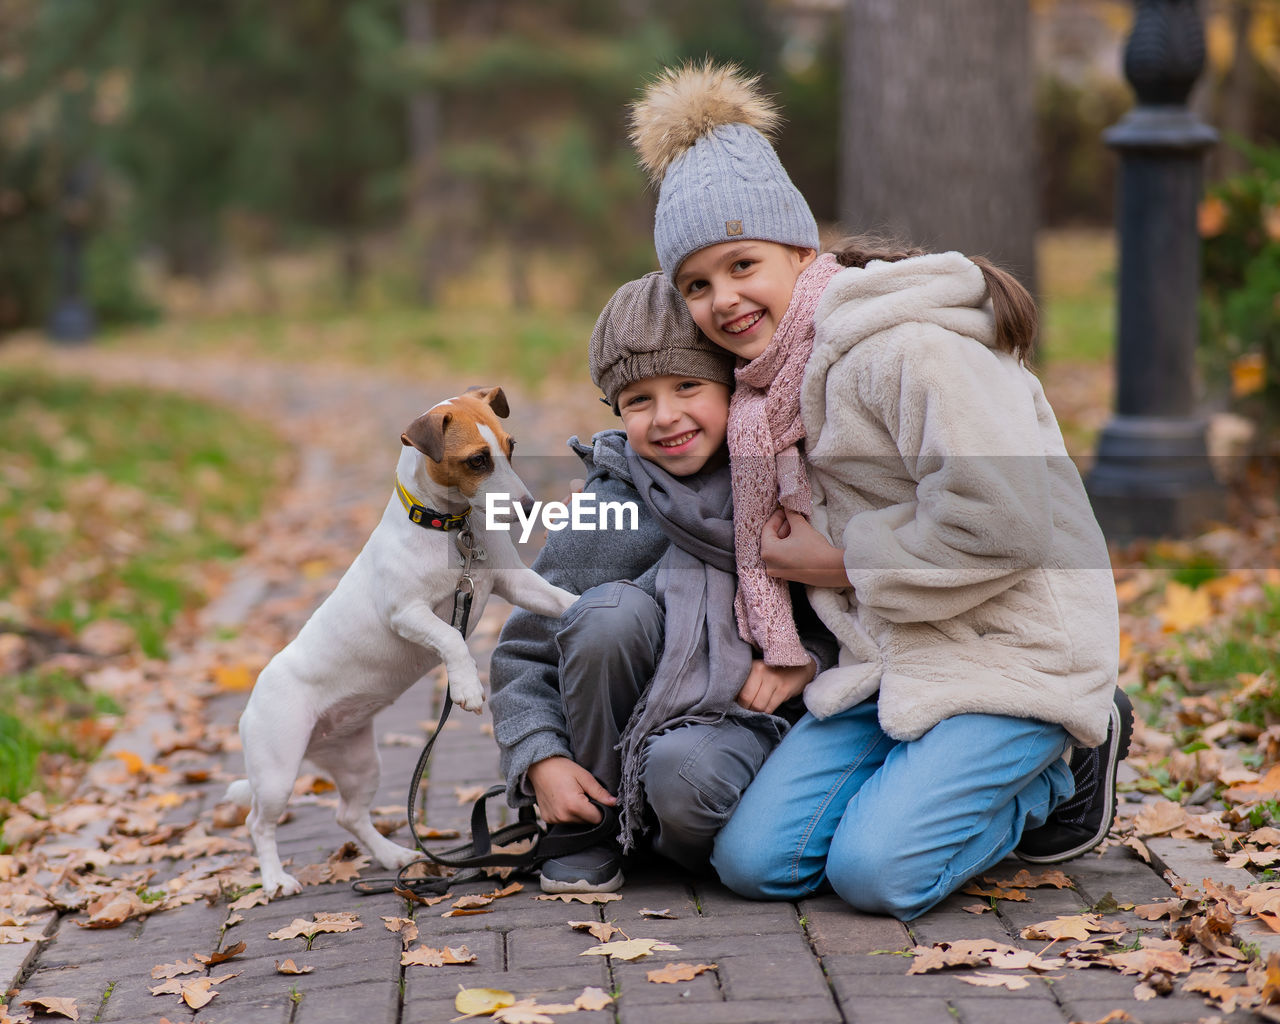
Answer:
(528, 504)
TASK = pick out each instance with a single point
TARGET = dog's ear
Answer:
(426, 433)
(494, 396)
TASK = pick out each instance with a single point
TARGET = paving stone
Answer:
(1161, 1010)
(901, 1011)
(814, 1010)
(546, 947)
(632, 981)
(834, 927)
(557, 984)
(953, 925)
(1025, 1011)
(765, 977)
(850, 988)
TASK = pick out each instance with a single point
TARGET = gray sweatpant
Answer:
(609, 643)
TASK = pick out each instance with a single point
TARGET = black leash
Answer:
(472, 858)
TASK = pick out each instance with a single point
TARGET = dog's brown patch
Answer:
(449, 436)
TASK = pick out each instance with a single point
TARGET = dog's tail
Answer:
(239, 793)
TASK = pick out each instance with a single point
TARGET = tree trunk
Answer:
(938, 142)
(1235, 116)
(423, 111)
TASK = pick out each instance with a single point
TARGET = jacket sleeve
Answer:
(528, 713)
(966, 431)
(815, 637)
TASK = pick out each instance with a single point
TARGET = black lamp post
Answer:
(72, 320)
(1151, 476)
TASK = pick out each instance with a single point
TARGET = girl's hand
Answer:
(767, 688)
(793, 550)
(562, 787)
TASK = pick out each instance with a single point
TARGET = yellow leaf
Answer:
(477, 1001)
(630, 949)
(1184, 608)
(673, 973)
(1211, 218)
(1248, 374)
(1074, 927)
(132, 761)
(233, 677)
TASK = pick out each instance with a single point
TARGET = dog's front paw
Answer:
(280, 884)
(467, 693)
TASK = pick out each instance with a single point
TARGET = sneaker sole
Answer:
(554, 886)
(1123, 731)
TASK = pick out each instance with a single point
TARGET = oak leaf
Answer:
(581, 897)
(1012, 983)
(996, 892)
(1075, 926)
(1024, 879)
(174, 969)
(51, 1004)
(602, 930)
(289, 967)
(425, 956)
(593, 998)
(673, 973)
(630, 949)
(1184, 608)
(220, 956)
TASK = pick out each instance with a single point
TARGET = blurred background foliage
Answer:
(327, 156)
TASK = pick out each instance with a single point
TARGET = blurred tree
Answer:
(938, 136)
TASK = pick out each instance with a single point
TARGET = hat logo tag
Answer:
(733, 227)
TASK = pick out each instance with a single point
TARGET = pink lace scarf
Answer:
(767, 470)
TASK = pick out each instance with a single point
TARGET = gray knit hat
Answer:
(645, 330)
(703, 132)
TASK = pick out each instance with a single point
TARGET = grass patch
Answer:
(1077, 294)
(487, 345)
(47, 713)
(1249, 648)
(113, 502)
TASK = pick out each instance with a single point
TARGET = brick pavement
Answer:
(811, 961)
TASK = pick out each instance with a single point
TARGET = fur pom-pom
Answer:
(684, 104)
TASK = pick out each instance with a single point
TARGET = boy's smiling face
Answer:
(678, 422)
(737, 292)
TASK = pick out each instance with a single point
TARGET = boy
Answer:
(642, 699)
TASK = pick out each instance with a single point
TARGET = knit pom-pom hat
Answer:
(702, 132)
(645, 331)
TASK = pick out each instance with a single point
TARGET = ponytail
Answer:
(1012, 305)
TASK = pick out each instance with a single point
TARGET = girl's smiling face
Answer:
(738, 292)
(678, 422)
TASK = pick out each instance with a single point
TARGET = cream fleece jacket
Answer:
(980, 578)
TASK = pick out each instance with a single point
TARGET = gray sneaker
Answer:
(595, 869)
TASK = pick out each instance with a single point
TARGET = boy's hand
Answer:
(767, 688)
(562, 787)
(793, 550)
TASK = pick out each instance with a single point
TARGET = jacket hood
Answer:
(946, 289)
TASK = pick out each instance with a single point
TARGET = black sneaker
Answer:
(1082, 822)
(595, 869)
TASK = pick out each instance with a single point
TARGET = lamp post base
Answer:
(1152, 478)
(72, 322)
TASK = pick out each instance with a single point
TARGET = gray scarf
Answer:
(704, 661)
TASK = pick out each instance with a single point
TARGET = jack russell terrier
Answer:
(386, 624)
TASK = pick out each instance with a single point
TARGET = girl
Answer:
(945, 531)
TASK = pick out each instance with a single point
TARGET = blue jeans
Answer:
(893, 827)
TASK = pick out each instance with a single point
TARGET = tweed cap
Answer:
(644, 331)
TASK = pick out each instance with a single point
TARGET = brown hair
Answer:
(1013, 306)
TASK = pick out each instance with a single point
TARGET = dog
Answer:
(386, 624)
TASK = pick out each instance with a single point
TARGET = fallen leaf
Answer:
(343, 921)
(665, 914)
(174, 969)
(467, 913)
(582, 897)
(1184, 608)
(289, 967)
(221, 956)
(1024, 879)
(602, 930)
(475, 1002)
(234, 678)
(673, 973)
(256, 898)
(404, 926)
(630, 949)
(469, 794)
(1011, 982)
(523, 1012)
(471, 902)
(996, 892)
(1159, 818)
(1075, 926)
(51, 1004)
(978, 908)
(423, 901)
(425, 956)
(593, 998)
